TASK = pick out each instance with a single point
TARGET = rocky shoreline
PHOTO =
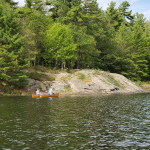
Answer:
(84, 82)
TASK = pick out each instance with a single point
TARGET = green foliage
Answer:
(29, 93)
(88, 75)
(51, 78)
(74, 33)
(59, 44)
(13, 55)
(132, 57)
(35, 75)
(40, 76)
(22, 81)
(139, 83)
(114, 82)
(81, 76)
(84, 18)
(40, 68)
(119, 15)
(68, 88)
(71, 71)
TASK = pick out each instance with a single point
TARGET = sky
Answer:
(140, 6)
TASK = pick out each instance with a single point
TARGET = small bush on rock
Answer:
(81, 75)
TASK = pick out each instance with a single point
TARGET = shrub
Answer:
(71, 71)
(39, 76)
(40, 68)
(113, 81)
(81, 75)
(68, 88)
(51, 78)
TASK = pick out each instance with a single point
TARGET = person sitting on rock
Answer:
(38, 91)
(51, 92)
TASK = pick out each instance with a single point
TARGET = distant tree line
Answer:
(65, 33)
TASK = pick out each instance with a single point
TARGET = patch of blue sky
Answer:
(140, 6)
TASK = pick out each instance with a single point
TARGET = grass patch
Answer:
(43, 69)
(66, 78)
(100, 72)
(51, 78)
(39, 76)
(68, 88)
(40, 68)
(100, 90)
(81, 76)
(86, 79)
(110, 78)
(5, 94)
(35, 75)
(114, 82)
(71, 71)
(88, 75)
(54, 71)
(144, 85)
(29, 93)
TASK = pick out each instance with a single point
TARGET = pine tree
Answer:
(124, 58)
(139, 47)
(10, 2)
(35, 5)
(119, 15)
(81, 17)
(13, 54)
(132, 57)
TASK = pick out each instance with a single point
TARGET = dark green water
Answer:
(75, 123)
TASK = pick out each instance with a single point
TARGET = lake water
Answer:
(75, 123)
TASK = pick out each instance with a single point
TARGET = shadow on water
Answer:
(75, 122)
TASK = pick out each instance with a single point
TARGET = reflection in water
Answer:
(50, 98)
(93, 122)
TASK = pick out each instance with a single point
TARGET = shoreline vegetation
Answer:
(102, 49)
(75, 82)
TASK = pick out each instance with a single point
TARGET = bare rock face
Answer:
(58, 86)
(127, 84)
(86, 82)
(32, 85)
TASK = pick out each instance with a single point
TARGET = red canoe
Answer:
(54, 95)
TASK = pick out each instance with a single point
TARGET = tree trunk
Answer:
(38, 61)
(62, 66)
(78, 61)
(56, 64)
(42, 62)
(34, 61)
(29, 61)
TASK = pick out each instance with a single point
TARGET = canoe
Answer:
(54, 95)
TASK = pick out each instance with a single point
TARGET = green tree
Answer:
(139, 47)
(123, 60)
(81, 17)
(34, 23)
(59, 44)
(132, 57)
(13, 54)
(119, 15)
(35, 5)
(10, 2)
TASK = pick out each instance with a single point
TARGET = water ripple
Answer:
(93, 122)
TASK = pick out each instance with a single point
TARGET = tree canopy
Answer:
(61, 33)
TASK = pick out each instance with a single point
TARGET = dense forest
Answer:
(63, 33)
